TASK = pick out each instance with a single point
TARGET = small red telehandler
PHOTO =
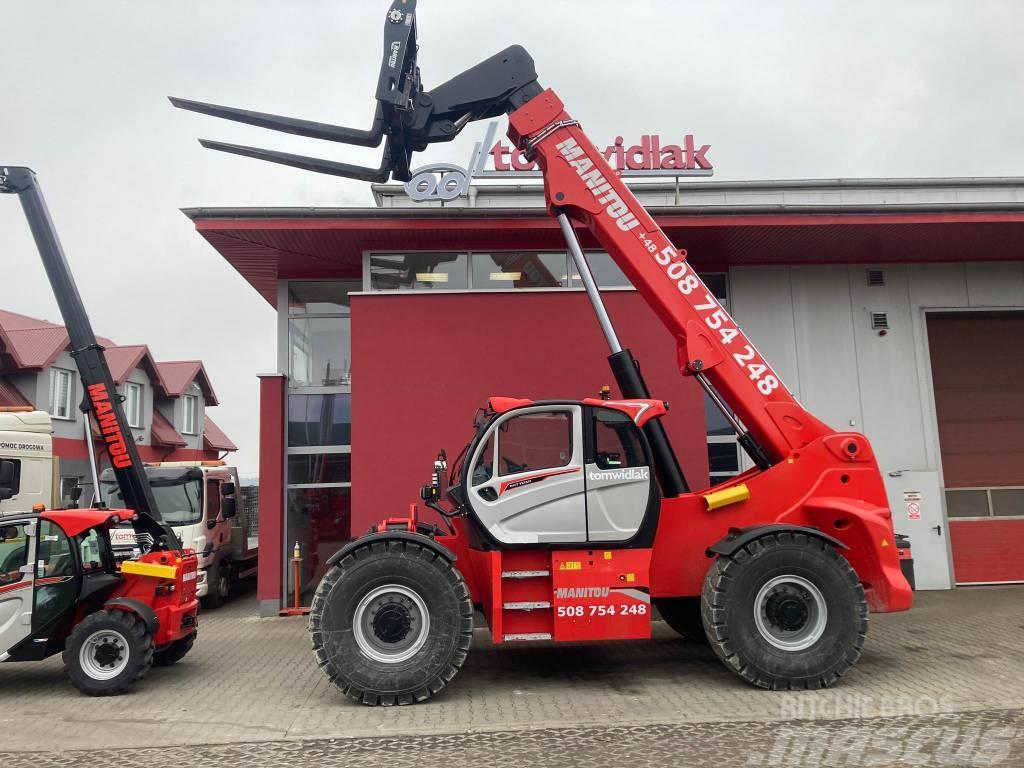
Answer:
(60, 587)
(567, 519)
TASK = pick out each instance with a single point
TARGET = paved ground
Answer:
(950, 674)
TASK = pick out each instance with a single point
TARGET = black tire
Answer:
(218, 585)
(175, 652)
(403, 572)
(130, 652)
(788, 612)
(683, 615)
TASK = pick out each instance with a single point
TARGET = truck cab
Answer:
(199, 501)
(25, 441)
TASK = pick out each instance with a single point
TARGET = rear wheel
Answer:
(108, 652)
(175, 652)
(786, 612)
(391, 623)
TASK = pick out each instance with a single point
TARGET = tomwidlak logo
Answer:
(648, 159)
(106, 420)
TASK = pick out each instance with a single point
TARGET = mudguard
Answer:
(417, 538)
(139, 608)
(733, 541)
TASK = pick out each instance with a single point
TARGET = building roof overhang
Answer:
(721, 224)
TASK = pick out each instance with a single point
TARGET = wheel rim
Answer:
(104, 655)
(222, 585)
(391, 624)
(790, 613)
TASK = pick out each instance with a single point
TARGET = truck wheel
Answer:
(218, 585)
(108, 652)
(785, 612)
(175, 652)
(391, 623)
(682, 614)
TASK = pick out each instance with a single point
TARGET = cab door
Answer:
(527, 484)
(620, 483)
(17, 577)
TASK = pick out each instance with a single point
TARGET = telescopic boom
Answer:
(102, 399)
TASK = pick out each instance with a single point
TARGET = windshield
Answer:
(180, 503)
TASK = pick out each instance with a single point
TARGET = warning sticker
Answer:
(911, 495)
(913, 510)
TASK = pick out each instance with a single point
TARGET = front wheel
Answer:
(108, 652)
(218, 585)
(391, 623)
(785, 612)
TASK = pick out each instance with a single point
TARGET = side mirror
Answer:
(228, 508)
(76, 493)
(227, 489)
(9, 533)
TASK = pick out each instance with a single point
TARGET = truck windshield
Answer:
(180, 503)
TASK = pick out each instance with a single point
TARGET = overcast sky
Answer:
(780, 90)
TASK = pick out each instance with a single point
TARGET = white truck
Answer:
(25, 440)
(200, 501)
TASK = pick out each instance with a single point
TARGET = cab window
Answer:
(484, 467)
(540, 440)
(13, 554)
(212, 500)
(94, 551)
(617, 442)
(53, 552)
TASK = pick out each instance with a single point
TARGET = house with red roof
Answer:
(165, 402)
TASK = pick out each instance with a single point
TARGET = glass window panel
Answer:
(722, 457)
(319, 468)
(1008, 502)
(319, 351)
(320, 521)
(718, 283)
(716, 479)
(606, 273)
(320, 298)
(319, 420)
(484, 469)
(616, 441)
(519, 269)
(419, 271)
(13, 553)
(534, 441)
(967, 503)
(716, 422)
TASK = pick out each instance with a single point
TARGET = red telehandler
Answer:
(61, 589)
(568, 519)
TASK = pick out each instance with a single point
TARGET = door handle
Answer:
(488, 494)
(937, 529)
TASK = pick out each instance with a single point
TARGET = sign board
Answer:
(651, 156)
(913, 510)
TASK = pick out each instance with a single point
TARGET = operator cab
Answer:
(561, 472)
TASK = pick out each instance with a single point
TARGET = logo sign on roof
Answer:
(651, 156)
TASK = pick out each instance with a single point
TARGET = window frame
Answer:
(129, 388)
(369, 289)
(190, 413)
(55, 373)
(988, 498)
(499, 430)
